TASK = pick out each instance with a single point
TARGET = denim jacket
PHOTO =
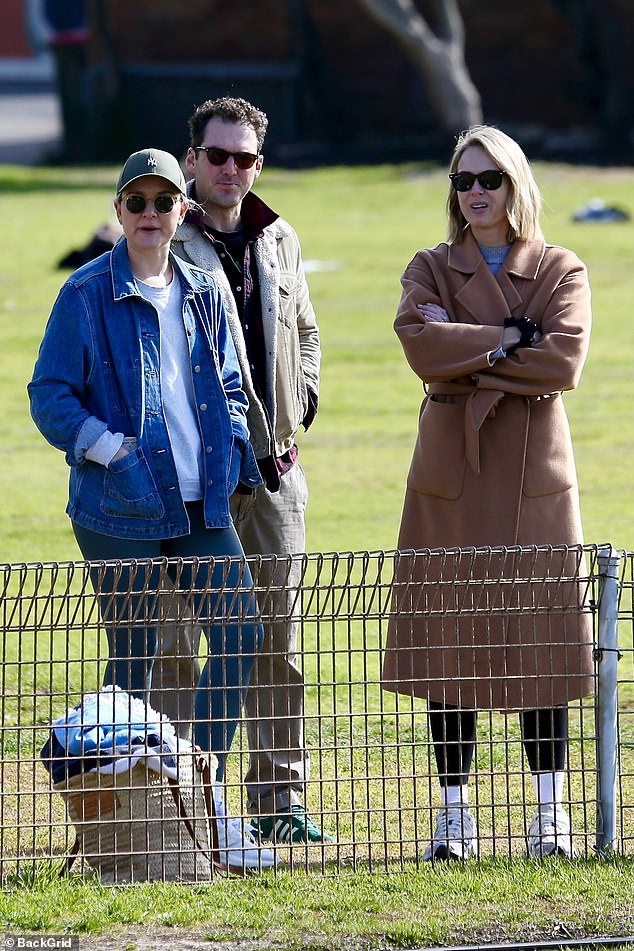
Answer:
(98, 369)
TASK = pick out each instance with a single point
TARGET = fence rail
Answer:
(373, 782)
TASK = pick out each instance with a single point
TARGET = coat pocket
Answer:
(438, 464)
(129, 490)
(550, 461)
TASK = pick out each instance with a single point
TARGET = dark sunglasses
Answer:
(217, 156)
(162, 203)
(490, 180)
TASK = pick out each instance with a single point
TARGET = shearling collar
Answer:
(256, 214)
(277, 229)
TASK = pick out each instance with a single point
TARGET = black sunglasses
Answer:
(218, 156)
(162, 203)
(490, 180)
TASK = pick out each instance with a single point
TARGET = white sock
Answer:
(454, 795)
(549, 787)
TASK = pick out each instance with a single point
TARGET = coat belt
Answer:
(478, 404)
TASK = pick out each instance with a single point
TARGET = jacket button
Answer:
(209, 448)
(203, 407)
(196, 369)
(210, 481)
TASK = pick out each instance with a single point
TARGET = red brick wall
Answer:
(14, 40)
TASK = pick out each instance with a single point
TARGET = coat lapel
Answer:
(482, 292)
(523, 263)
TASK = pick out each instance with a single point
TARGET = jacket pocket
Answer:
(235, 465)
(292, 397)
(438, 464)
(129, 490)
(550, 461)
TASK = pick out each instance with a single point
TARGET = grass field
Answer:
(365, 224)
(359, 228)
(490, 902)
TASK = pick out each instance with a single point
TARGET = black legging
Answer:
(453, 731)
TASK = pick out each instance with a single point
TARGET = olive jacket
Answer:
(291, 335)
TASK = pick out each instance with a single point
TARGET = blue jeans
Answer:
(222, 600)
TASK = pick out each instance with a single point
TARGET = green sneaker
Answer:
(294, 825)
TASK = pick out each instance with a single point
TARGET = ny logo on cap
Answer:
(151, 160)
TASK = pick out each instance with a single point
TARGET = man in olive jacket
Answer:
(255, 257)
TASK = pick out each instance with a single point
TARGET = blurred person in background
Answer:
(68, 38)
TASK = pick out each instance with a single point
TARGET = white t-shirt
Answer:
(177, 387)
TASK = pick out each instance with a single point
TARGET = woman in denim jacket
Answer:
(137, 381)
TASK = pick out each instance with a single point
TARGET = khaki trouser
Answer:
(269, 524)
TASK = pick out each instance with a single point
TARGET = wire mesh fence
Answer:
(478, 623)
(625, 708)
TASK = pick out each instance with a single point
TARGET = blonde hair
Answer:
(523, 205)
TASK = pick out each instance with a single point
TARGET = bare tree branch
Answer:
(439, 56)
(449, 19)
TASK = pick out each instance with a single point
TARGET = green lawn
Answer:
(362, 225)
(366, 223)
(485, 903)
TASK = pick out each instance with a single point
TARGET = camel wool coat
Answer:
(492, 473)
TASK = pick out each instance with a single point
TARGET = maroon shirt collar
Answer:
(255, 214)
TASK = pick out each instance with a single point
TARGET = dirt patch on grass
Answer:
(167, 939)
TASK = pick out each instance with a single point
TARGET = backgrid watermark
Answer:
(41, 942)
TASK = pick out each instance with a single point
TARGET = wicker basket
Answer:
(138, 826)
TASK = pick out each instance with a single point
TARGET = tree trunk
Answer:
(439, 56)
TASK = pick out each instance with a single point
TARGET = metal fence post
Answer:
(607, 655)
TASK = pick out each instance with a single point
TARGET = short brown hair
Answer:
(229, 110)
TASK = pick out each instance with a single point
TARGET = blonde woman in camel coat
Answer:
(496, 323)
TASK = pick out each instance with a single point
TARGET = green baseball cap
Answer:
(151, 162)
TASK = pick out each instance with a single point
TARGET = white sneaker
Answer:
(549, 832)
(239, 851)
(456, 835)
